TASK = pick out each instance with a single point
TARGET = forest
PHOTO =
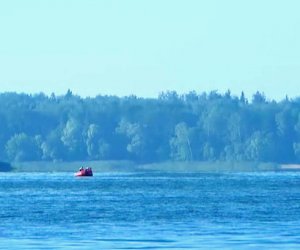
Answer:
(172, 127)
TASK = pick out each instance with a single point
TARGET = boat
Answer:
(84, 172)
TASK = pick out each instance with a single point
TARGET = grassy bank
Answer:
(211, 167)
(128, 166)
(98, 166)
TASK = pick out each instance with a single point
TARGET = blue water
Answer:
(150, 211)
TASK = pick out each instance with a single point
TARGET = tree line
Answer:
(189, 127)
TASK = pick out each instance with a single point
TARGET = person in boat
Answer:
(80, 169)
(89, 171)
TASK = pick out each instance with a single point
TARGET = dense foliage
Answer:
(207, 126)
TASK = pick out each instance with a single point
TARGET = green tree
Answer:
(97, 147)
(208, 152)
(133, 131)
(22, 147)
(93, 135)
(52, 147)
(72, 139)
(180, 144)
(296, 147)
(260, 147)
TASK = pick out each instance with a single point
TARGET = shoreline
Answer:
(290, 167)
(129, 166)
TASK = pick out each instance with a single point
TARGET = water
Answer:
(150, 211)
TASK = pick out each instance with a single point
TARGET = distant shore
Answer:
(290, 167)
(129, 166)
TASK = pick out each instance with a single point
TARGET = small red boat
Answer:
(84, 172)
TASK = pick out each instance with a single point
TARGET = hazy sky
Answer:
(143, 47)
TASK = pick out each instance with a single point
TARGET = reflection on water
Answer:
(139, 211)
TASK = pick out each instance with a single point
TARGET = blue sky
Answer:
(143, 47)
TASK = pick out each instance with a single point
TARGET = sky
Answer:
(144, 47)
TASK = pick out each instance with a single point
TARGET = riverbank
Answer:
(290, 167)
(212, 167)
(128, 166)
(98, 166)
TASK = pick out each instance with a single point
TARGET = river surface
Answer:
(150, 211)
